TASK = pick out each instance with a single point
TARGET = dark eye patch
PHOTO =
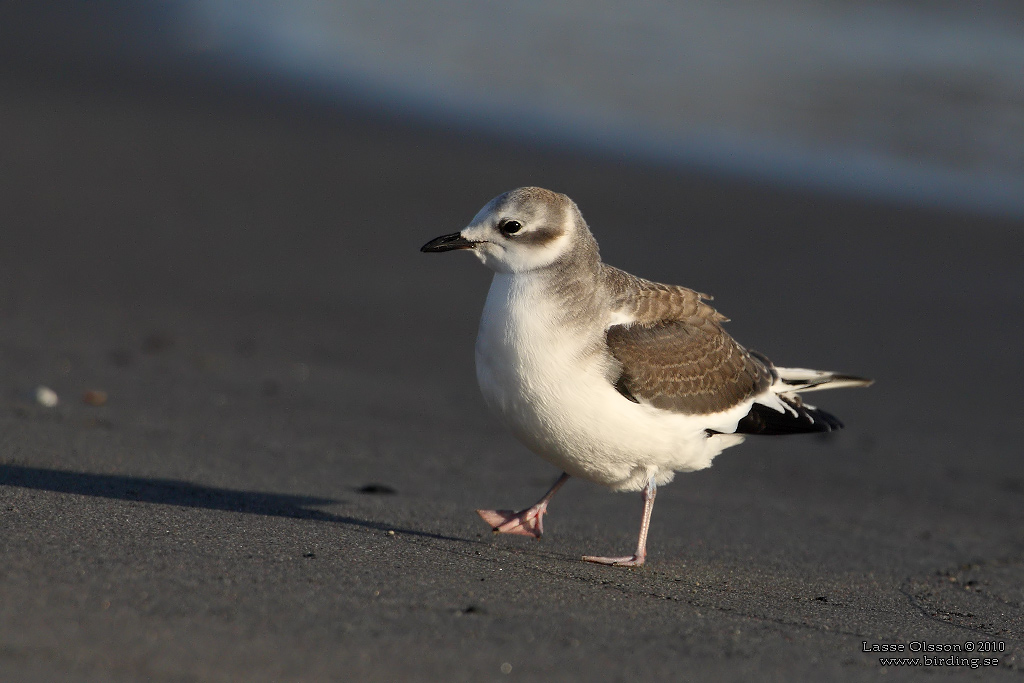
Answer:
(539, 237)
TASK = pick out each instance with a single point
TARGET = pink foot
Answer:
(528, 522)
(629, 561)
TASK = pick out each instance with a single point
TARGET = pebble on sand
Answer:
(94, 397)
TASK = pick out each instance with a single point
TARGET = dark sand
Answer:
(240, 273)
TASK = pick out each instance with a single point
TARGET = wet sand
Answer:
(289, 381)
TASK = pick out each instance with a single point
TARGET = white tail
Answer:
(798, 380)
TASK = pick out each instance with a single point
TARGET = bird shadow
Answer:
(187, 494)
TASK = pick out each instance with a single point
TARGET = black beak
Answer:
(448, 243)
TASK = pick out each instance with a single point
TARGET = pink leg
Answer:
(641, 547)
(528, 522)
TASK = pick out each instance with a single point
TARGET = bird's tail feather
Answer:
(798, 380)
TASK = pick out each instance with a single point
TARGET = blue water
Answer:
(909, 101)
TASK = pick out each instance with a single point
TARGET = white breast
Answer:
(550, 385)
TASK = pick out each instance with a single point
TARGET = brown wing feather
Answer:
(676, 355)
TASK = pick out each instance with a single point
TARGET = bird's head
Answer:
(522, 230)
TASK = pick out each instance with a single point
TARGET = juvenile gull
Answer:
(610, 377)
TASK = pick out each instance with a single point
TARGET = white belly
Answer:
(549, 384)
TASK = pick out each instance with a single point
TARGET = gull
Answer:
(610, 377)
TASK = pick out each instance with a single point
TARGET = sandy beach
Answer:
(280, 483)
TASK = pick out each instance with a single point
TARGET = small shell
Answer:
(47, 397)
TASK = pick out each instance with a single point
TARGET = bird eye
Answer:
(510, 227)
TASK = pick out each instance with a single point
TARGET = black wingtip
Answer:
(767, 421)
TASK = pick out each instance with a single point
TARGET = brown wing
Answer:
(675, 355)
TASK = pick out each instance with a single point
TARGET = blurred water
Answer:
(920, 101)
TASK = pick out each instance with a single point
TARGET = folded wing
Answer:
(674, 354)
(691, 367)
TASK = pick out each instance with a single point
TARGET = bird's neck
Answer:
(543, 303)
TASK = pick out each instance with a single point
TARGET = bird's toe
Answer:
(511, 522)
(627, 561)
